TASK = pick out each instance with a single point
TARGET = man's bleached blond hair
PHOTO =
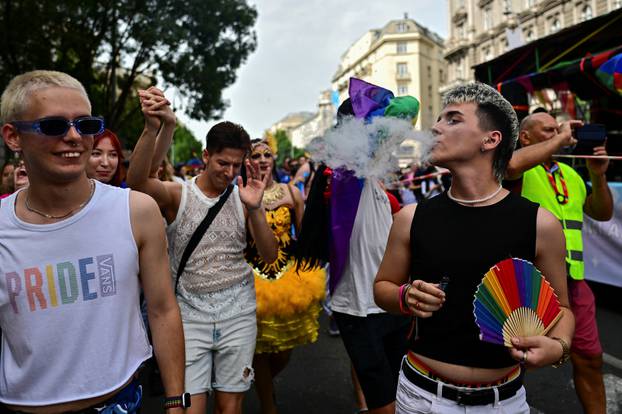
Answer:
(15, 96)
(494, 112)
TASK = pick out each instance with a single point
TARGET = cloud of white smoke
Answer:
(369, 149)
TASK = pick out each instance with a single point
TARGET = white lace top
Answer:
(217, 283)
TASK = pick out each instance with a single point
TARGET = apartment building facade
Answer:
(481, 30)
(402, 56)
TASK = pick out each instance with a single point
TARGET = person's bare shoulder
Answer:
(141, 202)
(547, 222)
(144, 215)
(402, 220)
(550, 240)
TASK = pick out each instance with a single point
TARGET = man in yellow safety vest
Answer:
(560, 189)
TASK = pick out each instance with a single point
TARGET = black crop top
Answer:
(463, 243)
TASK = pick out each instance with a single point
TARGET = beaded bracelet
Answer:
(402, 299)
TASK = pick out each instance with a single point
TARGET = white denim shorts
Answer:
(219, 355)
(411, 399)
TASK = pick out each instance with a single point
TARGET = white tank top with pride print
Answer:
(69, 303)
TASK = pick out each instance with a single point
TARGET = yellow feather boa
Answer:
(290, 294)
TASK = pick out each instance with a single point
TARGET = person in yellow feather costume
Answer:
(288, 302)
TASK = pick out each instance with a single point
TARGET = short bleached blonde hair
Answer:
(15, 96)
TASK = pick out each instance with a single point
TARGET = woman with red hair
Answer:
(106, 162)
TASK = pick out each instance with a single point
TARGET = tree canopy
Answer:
(185, 146)
(115, 46)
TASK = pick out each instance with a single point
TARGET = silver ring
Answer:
(524, 360)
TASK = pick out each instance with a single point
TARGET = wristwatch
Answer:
(565, 352)
(181, 401)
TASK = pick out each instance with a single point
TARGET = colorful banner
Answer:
(602, 244)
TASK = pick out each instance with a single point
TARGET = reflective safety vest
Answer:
(538, 188)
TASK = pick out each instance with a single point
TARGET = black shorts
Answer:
(376, 345)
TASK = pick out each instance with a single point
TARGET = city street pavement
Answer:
(317, 380)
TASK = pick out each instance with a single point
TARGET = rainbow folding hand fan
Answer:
(514, 299)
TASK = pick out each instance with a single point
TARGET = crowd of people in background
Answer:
(248, 296)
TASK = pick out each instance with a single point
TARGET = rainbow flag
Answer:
(610, 73)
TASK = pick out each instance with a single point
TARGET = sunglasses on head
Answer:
(58, 126)
(257, 155)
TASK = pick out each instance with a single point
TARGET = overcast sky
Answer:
(298, 51)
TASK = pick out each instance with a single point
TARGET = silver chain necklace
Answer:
(49, 216)
(481, 200)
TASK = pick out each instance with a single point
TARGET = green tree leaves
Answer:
(116, 46)
(185, 146)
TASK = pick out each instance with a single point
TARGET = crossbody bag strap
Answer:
(199, 232)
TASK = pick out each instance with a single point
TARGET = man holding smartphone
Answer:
(560, 189)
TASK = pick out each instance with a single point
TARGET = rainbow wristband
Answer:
(402, 300)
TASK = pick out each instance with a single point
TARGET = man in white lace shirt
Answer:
(215, 292)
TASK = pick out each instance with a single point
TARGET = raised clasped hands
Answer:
(424, 298)
(536, 351)
(251, 194)
(156, 108)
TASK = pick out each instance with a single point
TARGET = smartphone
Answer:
(589, 136)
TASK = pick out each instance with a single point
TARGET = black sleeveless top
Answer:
(463, 243)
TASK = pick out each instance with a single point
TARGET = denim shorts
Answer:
(219, 355)
(126, 401)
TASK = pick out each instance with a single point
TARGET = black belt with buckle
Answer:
(475, 396)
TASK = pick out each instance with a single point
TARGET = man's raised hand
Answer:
(251, 194)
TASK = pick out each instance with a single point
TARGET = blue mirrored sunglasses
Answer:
(58, 126)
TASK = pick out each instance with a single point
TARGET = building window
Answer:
(402, 89)
(402, 68)
(556, 25)
(441, 76)
(401, 27)
(460, 31)
(486, 54)
(617, 4)
(507, 6)
(430, 91)
(529, 35)
(488, 18)
(503, 45)
(586, 13)
(401, 47)
(530, 3)
(459, 71)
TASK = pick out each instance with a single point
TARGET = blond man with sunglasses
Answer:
(73, 256)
